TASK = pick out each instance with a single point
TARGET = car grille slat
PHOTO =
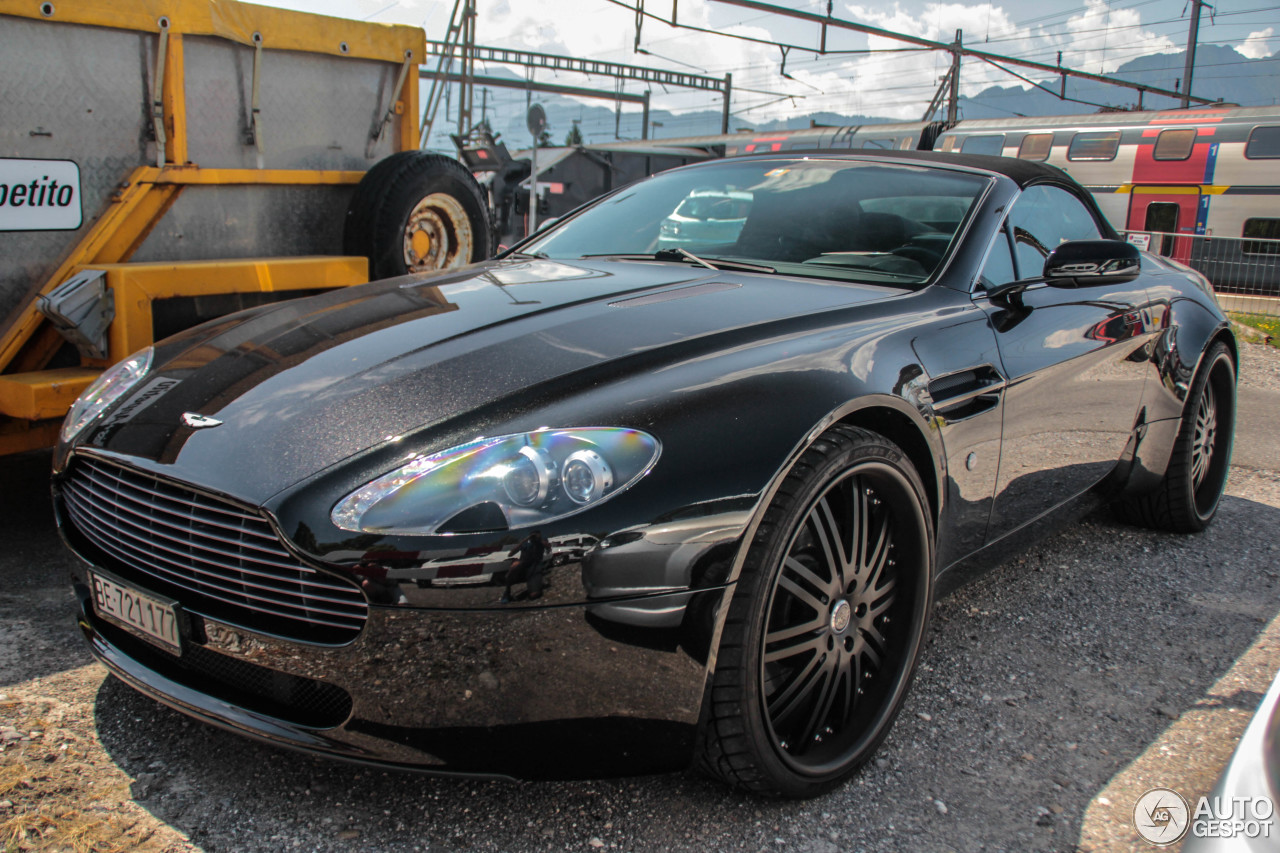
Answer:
(235, 597)
(220, 552)
(149, 500)
(176, 567)
(212, 556)
(174, 573)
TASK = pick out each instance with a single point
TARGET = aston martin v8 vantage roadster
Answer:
(331, 523)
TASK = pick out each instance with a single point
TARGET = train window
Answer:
(882, 142)
(1261, 229)
(1175, 144)
(948, 144)
(1094, 145)
(1264, 143)
(1044, 218)
(983, 145)
(1035, 146)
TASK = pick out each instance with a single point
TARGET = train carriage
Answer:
(1204, 184)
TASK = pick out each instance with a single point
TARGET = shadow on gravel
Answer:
(1039, 682)
(27, 529)
(38, 635)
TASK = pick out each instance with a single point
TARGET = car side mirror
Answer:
(1082, 263)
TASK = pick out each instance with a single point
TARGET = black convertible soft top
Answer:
(1022, 172)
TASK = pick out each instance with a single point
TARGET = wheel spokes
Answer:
(1203, 437)
(871, 576)
(800, 629)
(797, 688)
(825, 637)
(830, 538)
(802, 594)
(825, 697)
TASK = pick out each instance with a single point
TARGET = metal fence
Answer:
(1244, 271)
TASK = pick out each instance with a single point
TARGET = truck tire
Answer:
(417, 212)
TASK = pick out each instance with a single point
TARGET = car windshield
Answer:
(885, 223)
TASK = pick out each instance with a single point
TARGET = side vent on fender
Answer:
(966, 393)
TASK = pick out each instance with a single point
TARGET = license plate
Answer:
(142, 614)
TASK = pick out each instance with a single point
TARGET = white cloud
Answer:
(1096, 38)
(1258, 45)
(1089, 41)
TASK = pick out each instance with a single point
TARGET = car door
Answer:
(1070, 355)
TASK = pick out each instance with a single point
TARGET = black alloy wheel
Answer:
(827, 620)
(1188, 496)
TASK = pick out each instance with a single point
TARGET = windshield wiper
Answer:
(534, 255)
(664, 254)
(682, 256)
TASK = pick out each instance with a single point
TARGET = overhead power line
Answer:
(826, 21)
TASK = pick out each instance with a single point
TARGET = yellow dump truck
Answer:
(164, 162)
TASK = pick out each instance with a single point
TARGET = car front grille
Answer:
(213, 557)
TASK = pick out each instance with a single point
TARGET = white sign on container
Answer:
(39, 195)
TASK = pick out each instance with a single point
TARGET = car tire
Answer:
(826, 622)
(1188, 496)
(417, 212)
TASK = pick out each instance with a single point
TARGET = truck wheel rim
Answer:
(437, 235)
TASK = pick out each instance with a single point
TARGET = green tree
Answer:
(574, 137)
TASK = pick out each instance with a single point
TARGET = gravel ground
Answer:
(1052, 693)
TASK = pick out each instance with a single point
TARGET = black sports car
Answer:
(778, 447)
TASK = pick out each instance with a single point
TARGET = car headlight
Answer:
(105, 390)
(500, 483)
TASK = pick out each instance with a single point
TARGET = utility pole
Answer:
(728, 89)
(484, 105)
(953, 97)
(466, 95)
(1193, 35)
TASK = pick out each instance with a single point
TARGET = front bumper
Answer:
(551, 692)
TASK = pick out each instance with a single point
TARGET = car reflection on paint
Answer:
(687, 550)
(474, 568)
(572, 548)
(706, 216)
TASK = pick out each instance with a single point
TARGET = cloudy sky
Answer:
(1093, 35)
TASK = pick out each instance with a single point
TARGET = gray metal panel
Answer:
(69, 92)
(317, 111)
(247, 222)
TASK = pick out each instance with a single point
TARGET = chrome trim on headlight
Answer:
(104, 391)
(510, 481)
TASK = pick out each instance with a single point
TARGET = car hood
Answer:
(300, 386)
